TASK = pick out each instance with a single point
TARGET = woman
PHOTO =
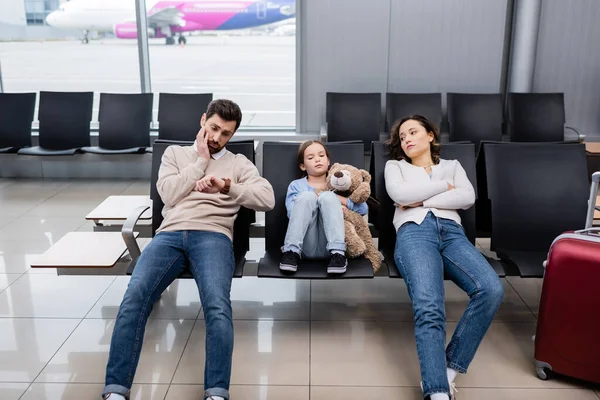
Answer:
(428, 192)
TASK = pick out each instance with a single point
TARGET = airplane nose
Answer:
(51, 18)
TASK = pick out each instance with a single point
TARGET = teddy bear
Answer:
(353, 183)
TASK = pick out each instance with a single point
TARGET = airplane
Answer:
(168, 18)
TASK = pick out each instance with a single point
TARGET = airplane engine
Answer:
(128, 30)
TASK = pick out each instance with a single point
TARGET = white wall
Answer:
(12, 12)
(396, 46)
(568, 60)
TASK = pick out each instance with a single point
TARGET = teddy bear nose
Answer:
(339, 174)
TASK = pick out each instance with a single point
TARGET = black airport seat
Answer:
(475, 117)
(124, 120)
(353, 116)
(465, 154)
(16, 116)
(280, 168)
(64, 119)
(537, 192)
(179, 114)
(241, 227)
(400, 105)
(536, 117)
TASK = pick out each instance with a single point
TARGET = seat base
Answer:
(40, 151)
(268, 267)
(100, 150)
(393, 272)
(529, 264)
(240, 261)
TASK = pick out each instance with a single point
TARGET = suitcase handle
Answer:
(590, 230)
(589, 219)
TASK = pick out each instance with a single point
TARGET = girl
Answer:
(316, 223)
(430, 240)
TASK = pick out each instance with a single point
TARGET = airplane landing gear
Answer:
(181, 40)
(170, 40)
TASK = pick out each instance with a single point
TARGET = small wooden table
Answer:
(79, 253)
(119, 208)
(592, 147)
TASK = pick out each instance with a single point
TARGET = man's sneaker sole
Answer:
(288, 268)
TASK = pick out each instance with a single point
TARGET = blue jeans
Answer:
(422, 254)
(211, 261)
(316, 226)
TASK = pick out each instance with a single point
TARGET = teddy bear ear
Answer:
(366, 176)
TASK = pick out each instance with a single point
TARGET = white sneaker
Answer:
(453, 390)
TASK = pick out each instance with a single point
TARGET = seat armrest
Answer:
(127, 232)
(579, 137)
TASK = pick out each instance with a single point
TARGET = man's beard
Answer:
(214, 150)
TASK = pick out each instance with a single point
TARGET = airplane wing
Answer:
(164, 17)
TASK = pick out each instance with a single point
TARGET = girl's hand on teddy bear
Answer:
(343, 200)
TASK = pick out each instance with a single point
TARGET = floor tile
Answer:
(265, 353)
(78, 391)
(179, 301)
(195, 392)
(505, 360)
(280, 299)
(138, 188)
(362, 393)
(49, 296)
(359, 353)
(64, 206)
(83, 358)
(381, 299)
(402, 393)
(12, 391)
(28, 344)
(39, 229)
(529, 289)
(16, 257)
(384, 299)
(7, 279)
(5, 182)
(526, 394)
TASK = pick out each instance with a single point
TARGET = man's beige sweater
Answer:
(188, 209)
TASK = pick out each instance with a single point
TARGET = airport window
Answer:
(237, 50)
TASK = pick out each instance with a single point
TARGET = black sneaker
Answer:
(289, 261)
(338, 264)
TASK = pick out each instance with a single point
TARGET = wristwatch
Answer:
(227, 186)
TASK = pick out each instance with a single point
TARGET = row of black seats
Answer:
(472, 117)
(124, 121)
(537, 191)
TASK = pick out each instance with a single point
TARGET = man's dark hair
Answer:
(226, 109)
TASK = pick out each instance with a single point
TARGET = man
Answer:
(203, 187)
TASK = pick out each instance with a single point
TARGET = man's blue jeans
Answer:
(423, 252)
(211, 260)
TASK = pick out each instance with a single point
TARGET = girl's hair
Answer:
(395, 148)
(305, 146)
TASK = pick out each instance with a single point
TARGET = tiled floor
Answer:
(294, 340)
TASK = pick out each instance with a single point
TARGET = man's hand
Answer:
(210, 184)
(202, 144)
(343, 200)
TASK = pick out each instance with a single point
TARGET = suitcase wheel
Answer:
(543, 373)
